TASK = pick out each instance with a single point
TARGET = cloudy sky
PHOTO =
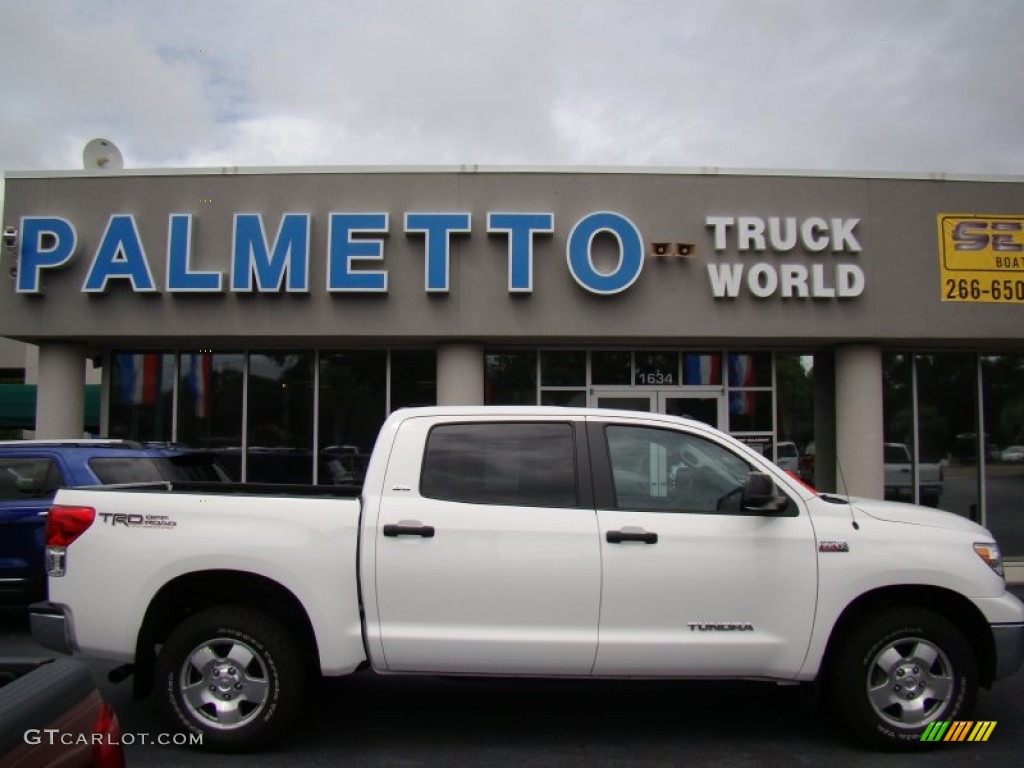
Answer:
(863, 85)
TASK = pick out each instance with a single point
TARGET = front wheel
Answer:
(232, 676)
(900, 671)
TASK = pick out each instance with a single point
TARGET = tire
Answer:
(900, 671)
(233, 674)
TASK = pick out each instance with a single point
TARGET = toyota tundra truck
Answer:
(531, 542)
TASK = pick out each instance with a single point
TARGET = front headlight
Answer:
(989, 552)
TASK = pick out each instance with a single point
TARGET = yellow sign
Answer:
(981, 257)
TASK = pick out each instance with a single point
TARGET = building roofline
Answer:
(510, 169)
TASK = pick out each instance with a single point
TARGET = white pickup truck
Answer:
(899, 477)
(532, 542)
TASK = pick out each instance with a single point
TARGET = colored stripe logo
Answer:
(959, 730)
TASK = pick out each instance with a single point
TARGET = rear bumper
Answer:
(1009, 645)
(52, 627)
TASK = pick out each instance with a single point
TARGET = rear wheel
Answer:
(900, 671)
(233, 675)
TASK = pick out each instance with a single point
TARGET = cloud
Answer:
(888, 85)
(68, 78)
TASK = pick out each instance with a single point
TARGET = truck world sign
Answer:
(355, 254)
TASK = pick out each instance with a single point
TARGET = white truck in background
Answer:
(531, 542)
(899, 477)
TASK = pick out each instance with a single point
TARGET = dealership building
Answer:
(865, 331)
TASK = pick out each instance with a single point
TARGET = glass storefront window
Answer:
(656, 369)
(413, 378)
(750, 369)
(563, 368)
(931, 414)
(750, 410)
(947, 432)
(565, 398)
(206, 409)
(794, 414)
(510, 378)
(1003, 396)
(353, 388)
(280, 418)
(899, 433)
(141, 396)
(611, 368)
(701, 369)
(210, 405)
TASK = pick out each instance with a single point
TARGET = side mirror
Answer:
(761, 495)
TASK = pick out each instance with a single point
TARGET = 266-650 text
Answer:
(996, 290)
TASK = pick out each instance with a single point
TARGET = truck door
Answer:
(487, 557)
(691, 584)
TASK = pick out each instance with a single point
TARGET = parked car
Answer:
(1012, 454)
(31, 471)
(531, 541)
(53, 716)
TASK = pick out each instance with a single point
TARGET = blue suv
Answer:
(31, 471)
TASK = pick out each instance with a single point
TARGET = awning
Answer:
(18, 407)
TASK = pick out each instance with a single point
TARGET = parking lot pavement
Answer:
(368, 720)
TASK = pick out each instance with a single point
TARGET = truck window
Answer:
(664, 470)
(28, 478)
(896, 453)
(513, 464)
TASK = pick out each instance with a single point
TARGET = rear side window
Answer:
(896, 454)
(28, 478)
(515, 464)
(113, 470)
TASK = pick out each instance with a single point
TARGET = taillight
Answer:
(108, 753)
(65, 524)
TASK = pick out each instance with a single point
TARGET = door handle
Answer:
(617, 537)
(406, 528)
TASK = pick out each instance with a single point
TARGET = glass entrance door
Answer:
(708, 407)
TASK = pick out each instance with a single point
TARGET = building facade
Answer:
(864, 331)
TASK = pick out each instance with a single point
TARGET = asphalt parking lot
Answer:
(367, 720)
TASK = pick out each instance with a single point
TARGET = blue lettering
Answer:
(46, 242)
(438, 228)
(290, 254)
(120, 256)
(578, 252)
(342, 250)
(180, 278)
(520, 228)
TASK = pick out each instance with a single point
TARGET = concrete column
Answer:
(60, 391)
(460, 374)
(860, 468)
